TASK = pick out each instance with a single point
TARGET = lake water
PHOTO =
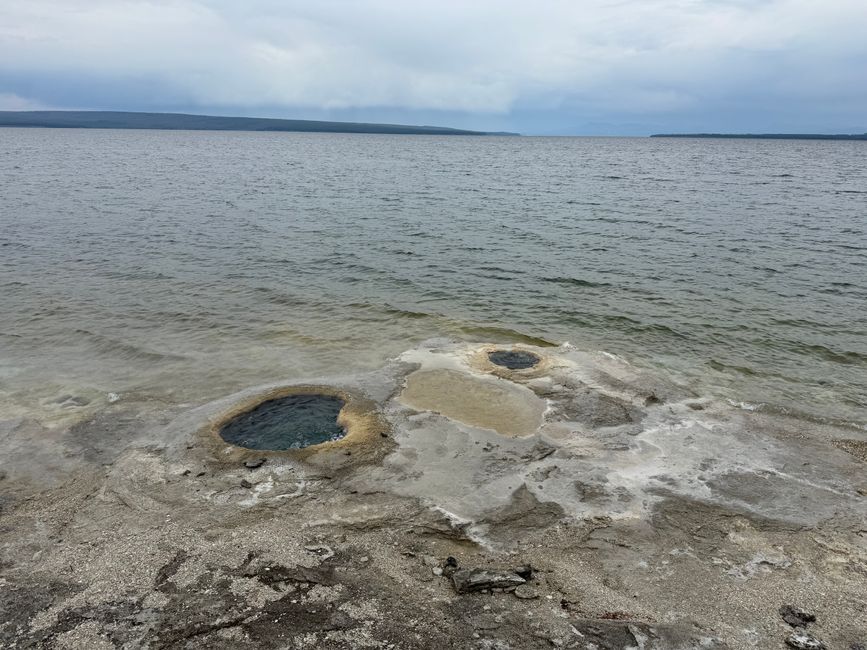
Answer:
(176, 267)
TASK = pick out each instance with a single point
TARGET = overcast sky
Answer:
(546, 66)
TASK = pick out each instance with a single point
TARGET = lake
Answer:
(181, 266)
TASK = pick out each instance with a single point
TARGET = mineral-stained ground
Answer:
(580, 503)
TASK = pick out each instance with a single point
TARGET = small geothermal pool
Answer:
(290, 422)
(513, 359)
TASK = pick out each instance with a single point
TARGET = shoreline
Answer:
(643, 510)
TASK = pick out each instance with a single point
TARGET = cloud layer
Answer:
(550, 65)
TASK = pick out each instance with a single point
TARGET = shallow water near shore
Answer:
(176, 267)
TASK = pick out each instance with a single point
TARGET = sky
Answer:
(546, 67)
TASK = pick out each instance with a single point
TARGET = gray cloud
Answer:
(795, 63)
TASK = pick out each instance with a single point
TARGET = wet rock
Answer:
(253, 464)
(469, 580)
(801, 640)
(597, 410)
(525, 512)
(796, 617)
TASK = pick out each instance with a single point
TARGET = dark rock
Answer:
(525, 571)
(469, 580)
(167, 572)
(253, 464)
(801, 640)
(651, 400)
(322, 550)
(617, 635)
(275, 575)
(796, 617)
(246, 484)
(449, 567)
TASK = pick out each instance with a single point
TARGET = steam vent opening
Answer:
(513, 359)
(291, 422)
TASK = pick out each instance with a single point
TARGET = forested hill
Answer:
(181, 121)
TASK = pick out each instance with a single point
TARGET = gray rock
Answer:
(800, 640)
(322, 550)
(617, 635)
(253, 464)
(796, 617)
(469, 580)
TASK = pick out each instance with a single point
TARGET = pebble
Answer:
(253, 464)
(525, 592)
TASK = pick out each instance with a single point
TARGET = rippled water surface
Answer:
(178, 266)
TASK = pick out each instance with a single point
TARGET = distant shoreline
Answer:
(765, 136)
(188, 122)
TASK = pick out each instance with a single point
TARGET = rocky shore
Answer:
(578, 503)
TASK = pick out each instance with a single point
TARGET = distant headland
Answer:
(185, 122)
(766, 136)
